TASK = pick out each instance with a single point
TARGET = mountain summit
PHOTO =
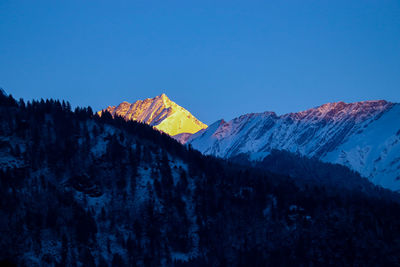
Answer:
(161, 113)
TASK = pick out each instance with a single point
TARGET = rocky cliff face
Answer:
(364, 136)
(160, 112)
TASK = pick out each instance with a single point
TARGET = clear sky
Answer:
(218, 59)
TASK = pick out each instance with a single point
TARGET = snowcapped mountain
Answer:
(160, 112)
(364, 136)
(84, 190)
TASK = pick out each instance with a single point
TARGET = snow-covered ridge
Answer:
(160, 112)
(364, 136)
(341, 110)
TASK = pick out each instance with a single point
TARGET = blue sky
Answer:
(218, 59)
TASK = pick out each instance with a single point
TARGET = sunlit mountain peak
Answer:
(160, 112)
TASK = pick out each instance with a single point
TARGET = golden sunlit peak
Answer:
(162, 96)
(161, 113)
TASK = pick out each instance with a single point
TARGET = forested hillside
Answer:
(313, 172)
(77, 189)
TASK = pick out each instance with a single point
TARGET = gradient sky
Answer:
(218, 59)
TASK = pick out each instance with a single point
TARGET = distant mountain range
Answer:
(364, 136)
